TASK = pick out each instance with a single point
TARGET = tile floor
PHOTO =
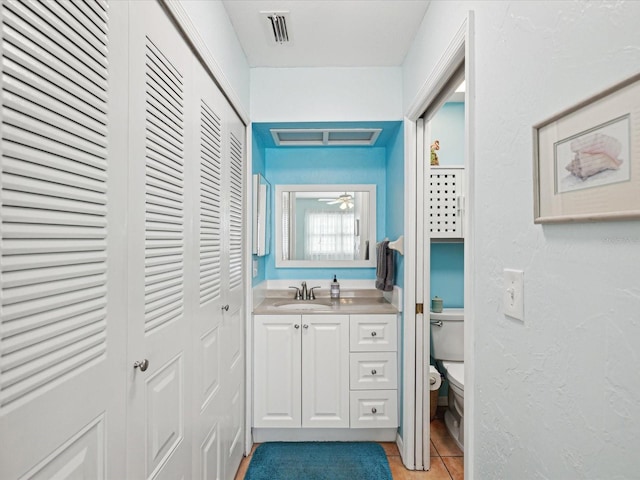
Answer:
(447, 460)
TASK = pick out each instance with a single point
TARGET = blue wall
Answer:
(447, 126)
(327, 165)
(447, 273)
(395, 196)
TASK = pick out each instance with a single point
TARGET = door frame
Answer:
(460, 49)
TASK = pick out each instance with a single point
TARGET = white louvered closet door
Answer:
(62, 324)
(233, 355)
(210, 384)
(160, 260)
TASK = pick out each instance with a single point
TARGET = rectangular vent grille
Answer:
(164, 196)
(54, 193)
(210, 205)
(323, 137)
(279, 28)
(235, 213)
(445, 190)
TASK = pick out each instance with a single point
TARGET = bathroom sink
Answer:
(302, 305)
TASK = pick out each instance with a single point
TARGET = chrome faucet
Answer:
(303, 293)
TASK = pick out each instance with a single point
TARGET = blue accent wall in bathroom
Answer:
(327, 165)
(447, 273)
(395, 196)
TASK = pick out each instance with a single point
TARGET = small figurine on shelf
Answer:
(434, 156)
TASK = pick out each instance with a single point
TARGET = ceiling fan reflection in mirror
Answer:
(345, 201)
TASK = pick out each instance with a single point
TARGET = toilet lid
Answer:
(455, 373)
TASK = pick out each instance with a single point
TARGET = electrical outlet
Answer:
(255, 268)
(513, 294)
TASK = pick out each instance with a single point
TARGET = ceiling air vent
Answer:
(276, 23)
(308, 137)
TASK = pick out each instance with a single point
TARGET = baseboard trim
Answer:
(261, 435)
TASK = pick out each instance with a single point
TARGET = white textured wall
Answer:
(326, 94)
(214, 26)
(558, 396)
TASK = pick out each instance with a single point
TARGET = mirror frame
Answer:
(373, 208)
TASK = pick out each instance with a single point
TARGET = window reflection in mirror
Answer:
(325, 225)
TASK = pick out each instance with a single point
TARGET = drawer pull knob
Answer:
(296, 326)
(373, 372)
(305, 326)
(373, 334)
(374, 410)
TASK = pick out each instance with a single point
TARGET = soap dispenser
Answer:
(335, 288)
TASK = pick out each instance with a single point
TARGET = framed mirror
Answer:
(261, 215)
(325, 226)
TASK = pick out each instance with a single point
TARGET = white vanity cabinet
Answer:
(330, 371)
(301, 371)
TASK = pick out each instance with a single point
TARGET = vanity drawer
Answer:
(373, 333)
(373, 370)
(374, 409)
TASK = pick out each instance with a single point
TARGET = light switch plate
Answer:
(255, 268)
(513, 294)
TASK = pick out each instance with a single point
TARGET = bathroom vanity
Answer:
(325, 369)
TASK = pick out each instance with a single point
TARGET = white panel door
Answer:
(160, 256)
(277, 371)
(325, 371)
(63, 317)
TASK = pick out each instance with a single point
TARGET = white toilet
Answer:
(447, 334)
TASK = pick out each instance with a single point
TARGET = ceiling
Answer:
(327, 33)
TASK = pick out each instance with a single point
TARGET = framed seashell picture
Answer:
(586, 159)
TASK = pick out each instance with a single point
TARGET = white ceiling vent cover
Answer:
(308, 137)
(277, 27)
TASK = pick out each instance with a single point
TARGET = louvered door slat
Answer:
(26, 68)
(37, 334)
(95, 10)
(76, 132)
(164, 225)
(54, 366)
(25, 86)
(35, 325)
(63, 38)
(235, 215)
(54, 193)
(210, 205)
(30, 170)
(17, 214)
(89, 174)
(45, 187)
(34, 35)
(87, 30)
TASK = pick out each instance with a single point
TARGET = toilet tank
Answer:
(447, 334)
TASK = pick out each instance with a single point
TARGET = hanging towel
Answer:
(384, 267)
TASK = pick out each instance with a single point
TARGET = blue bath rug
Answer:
(319, 461)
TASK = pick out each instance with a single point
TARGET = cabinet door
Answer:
(277, 371)
(325, 371)
(446, 202)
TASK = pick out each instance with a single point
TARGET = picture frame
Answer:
(586, 159)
